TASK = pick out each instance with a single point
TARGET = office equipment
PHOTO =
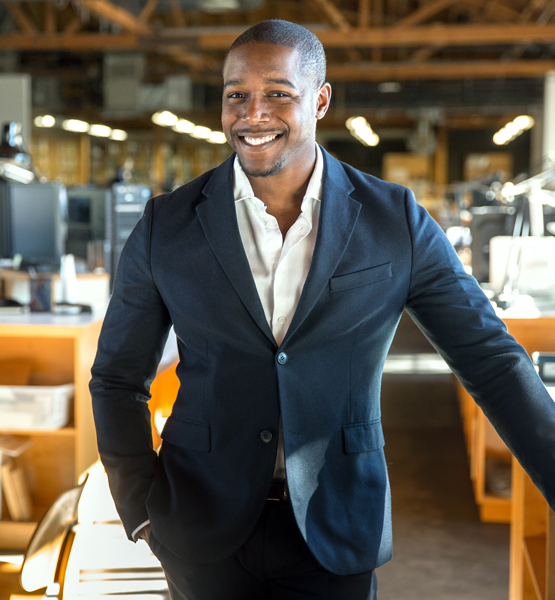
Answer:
(32, 222)
(127, 206)
(488, 222)
(86, 218)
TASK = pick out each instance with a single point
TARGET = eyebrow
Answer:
(279, 81)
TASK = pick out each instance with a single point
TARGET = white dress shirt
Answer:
(279, 266)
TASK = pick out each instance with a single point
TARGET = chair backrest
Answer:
(42, 557)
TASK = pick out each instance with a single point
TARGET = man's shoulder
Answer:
(188, 196)
(362, 180)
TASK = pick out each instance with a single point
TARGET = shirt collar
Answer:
(242, 189)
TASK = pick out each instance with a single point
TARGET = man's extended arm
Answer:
(456, 316)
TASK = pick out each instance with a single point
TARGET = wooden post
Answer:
(84, 159)
(441, 160)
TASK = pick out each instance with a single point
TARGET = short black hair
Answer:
(290, 35)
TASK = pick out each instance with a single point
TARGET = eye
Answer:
(235, 95)
(279, 95)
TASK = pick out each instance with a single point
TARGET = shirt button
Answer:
(266, 436)
(282, 358)
(282, 320)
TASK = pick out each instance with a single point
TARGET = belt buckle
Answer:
(278, 490)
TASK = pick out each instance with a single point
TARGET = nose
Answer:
(255, 111)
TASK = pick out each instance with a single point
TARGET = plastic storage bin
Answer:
(35, 407)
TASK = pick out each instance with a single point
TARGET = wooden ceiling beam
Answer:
(117, 15)
(387, 37)
(424, 12)
(364, 13)
(82, 42)
(424, 53)
(73, 26)
(332, 14)
(22, 21)
(377, 21)
(177, 13)
(49, 17)
(439, 70)
(148, 10)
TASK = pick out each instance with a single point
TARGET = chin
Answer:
(265, 171)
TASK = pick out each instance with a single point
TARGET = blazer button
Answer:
(266, 436)
(282, 358)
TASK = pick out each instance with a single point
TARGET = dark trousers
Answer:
(273, 564)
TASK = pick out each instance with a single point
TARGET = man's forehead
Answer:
(250, 56)
(269, 63)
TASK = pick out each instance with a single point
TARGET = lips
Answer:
(258, 141)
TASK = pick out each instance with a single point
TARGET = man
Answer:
(284, 273)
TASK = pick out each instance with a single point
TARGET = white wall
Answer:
(15, 102)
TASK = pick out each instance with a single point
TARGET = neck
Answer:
(285, 190)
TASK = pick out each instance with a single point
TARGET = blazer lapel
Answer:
(218, 219)
(338, 215)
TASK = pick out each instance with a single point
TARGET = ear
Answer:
(323, 98)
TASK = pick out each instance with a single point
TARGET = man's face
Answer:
(270, 109)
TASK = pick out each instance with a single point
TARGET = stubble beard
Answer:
(273, 170)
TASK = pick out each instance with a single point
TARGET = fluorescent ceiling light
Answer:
(512, 130)
(200, 132)
(75, 125)
(100, 130)
(183, 126)
(45, 121)
(217, 137)
(361, 130)
(119, 135)
(16, 173)
(164, 118)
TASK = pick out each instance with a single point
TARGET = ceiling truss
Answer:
(366, 40)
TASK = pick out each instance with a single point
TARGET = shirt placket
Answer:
(284, 294)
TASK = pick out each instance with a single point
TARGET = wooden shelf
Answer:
(482, 441)
(532, 574)
(63, 348)
(66, 431)
(495, 509)
(534, 551)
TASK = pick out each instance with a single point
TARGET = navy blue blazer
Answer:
(377, 253)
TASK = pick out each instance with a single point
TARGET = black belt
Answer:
(278, 490)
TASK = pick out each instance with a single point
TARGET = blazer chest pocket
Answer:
(360, 278)
(186, 434)
(362, 437)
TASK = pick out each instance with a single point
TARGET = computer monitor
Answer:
(86, 218)
(488, 222)
(33, 222)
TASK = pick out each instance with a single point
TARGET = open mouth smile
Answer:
(259, 141)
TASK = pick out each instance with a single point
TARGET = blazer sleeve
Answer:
(131, 343)
(456, 316)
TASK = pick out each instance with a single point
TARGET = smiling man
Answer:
(284, 274)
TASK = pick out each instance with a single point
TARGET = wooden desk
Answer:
(92, 289)
(64, 347)
(482, 441)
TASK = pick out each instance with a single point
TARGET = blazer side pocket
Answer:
(362, 437)
(186, 434)
(360, 278)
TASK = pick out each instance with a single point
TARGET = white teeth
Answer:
(257, 141)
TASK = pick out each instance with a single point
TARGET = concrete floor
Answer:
(441, 549)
